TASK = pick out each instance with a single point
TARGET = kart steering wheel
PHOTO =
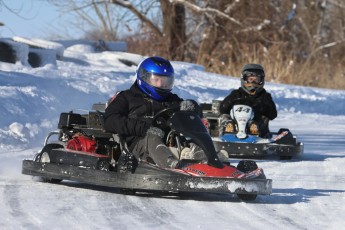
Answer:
(161, 118)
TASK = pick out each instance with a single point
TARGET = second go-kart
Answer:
(241, 143)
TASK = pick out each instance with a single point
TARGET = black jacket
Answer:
(262, 103)
(131, 111)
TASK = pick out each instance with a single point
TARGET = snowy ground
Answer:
(308, 192)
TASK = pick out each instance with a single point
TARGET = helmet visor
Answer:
(159, 81)
(252, 77)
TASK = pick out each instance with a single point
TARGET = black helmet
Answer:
(248, 70)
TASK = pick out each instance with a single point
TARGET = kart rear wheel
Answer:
(247, 197)
(285, 157)
(43, 157)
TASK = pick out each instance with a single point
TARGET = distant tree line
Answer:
(298, 42)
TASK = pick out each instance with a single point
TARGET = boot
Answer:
(223, 156)
(253, 128)
(226, 125)
(172, 163)
(229, 127)
(193, 152)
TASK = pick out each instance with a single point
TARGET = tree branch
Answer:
(198, 9)
(142, 17)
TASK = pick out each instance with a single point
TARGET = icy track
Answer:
(308, 192)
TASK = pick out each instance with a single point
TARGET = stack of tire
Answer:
(7, 53)
(33, 52)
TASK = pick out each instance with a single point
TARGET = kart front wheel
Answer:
(127, 191)
(43, 157)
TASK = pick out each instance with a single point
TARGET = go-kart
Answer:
(241, 143)
(84, 152)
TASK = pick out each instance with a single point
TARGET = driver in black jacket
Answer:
(130, 112)
(251, 93)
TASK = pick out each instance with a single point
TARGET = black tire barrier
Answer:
(7, 53)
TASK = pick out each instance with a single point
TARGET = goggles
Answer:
(252, 77)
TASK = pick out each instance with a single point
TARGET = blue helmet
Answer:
(155, 77)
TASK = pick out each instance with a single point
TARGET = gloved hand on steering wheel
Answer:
(190, 105)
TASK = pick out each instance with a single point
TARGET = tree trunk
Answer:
(324, 32)
(174, 29)
(207, 46)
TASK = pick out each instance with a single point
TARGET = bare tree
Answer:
(222, 35)
(95, 19)
(172, 31)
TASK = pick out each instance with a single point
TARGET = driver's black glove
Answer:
(190, 105)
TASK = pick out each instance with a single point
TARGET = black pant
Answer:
(152, 149)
